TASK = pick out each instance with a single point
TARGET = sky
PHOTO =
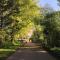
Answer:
(52, 3)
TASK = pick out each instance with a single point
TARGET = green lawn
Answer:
(6, 52)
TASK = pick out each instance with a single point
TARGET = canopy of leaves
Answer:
(17, 17)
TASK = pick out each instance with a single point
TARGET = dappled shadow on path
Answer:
(31, 54)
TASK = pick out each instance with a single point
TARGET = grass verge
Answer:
(5, 52)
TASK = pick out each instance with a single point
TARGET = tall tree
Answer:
(17, 14)
(47, 9)
(52, 28)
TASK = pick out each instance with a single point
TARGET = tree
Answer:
(58, 2)
(14, 16)
(47, 9)
(52, 28)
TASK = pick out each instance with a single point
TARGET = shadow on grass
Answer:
(4, 54)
